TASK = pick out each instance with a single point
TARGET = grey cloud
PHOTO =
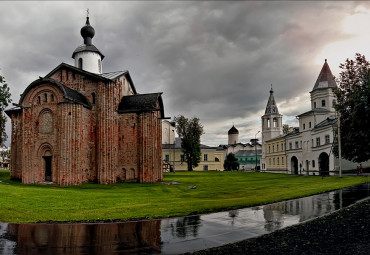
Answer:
(215, 60)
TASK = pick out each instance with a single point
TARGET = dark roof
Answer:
(313, 111)
(12, 110)
(329, 121)
(141, 103)
(248, 153)
(114, 75)
(84, 47)
(271, 107)
(177, 145)
(233, 130)
(105, 77)
(325, 79)
(92, 75)
(69, 94)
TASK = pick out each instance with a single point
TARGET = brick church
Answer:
(79, 125)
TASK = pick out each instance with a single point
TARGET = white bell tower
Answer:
(87, 57)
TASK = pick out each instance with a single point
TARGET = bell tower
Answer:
(272, 125)
(87, 57)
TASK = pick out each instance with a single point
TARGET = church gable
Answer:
(49, 91)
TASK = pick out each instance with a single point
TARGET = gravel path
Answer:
(346, 231)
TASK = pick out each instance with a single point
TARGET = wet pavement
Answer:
(174, 235)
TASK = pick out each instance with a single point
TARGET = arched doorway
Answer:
(45, 153)
(294, 165)
(48, 165)
(324, 164)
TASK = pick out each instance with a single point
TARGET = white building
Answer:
(309, 148)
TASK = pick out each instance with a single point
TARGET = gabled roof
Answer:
(325, 79)
(141, 103)
(313, 111)
(69, 94)
(105, 77)
(329, 121)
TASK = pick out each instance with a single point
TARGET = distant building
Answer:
(78, 124)
(173, 156)
(308, 149)
(246, 153)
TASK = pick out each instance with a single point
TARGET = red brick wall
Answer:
(86, 145)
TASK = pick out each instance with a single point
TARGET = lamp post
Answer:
(255, 148)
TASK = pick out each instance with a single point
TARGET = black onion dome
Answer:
(233, 131)
(87, 32)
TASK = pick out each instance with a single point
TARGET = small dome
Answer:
(87, 31)
(233, 131)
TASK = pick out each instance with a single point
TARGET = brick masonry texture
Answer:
(81, 133)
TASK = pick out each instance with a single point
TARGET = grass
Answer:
(214, 191)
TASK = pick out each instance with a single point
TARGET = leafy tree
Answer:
(4, 102)
(353, 105)
(231, 162)
(285, 129)
(190, 131)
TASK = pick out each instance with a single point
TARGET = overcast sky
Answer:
(213, 60)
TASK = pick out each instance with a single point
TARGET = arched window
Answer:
(93, 97)
(80, 64)
(275, 122)
(268, 123)
(99, 65)
(45, 97)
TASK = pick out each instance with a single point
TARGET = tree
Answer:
(190, 131)
(231, 162)
(285, 129)
(4, 102)
(353, 106)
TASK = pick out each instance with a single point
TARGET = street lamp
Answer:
(255, 147)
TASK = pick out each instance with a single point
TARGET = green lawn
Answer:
(122, 201)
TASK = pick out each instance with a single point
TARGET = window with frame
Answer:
(273, 148)
(282, 160)
(313, 163)
(290, 146)
(317, 141)
(304, 126)
(327, 139)
(296, 145)
(273, 160)
(167, 158)
(323, 103)
(277, 161)
(182, 157)
(314, 104)
(309, 124)
(205, 157)
(205, 168)
(269, 148)
(334, 103)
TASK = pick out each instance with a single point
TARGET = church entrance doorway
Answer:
(294, 165)
(48, 168)
(324, 164)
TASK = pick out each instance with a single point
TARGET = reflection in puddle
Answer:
(174, 235)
